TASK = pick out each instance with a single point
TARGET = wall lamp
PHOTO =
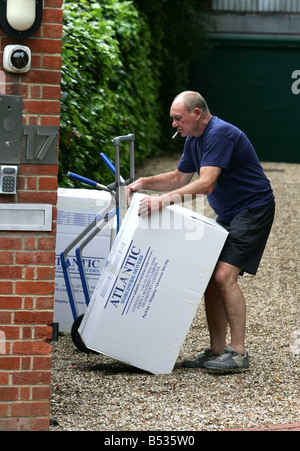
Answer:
(21, 18)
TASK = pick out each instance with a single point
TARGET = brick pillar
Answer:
(27, 259)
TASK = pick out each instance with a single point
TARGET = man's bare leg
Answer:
(225, 302)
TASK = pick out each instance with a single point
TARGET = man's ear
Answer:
(198, 113)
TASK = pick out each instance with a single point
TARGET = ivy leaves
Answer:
(109, 86)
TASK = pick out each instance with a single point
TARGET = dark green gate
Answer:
(249, 83)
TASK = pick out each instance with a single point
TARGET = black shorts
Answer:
(248, 234)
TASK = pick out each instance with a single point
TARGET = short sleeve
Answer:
(187, 163)
(218, 151)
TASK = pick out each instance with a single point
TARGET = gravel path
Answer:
(94, 392)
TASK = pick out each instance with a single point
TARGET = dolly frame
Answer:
(101, 219)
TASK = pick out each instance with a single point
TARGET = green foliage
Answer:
(180, 40)
(109, 87)
(123, 63)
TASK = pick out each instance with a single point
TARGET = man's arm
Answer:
(162, 182)
(203, 185)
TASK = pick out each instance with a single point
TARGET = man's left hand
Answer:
(151, 204)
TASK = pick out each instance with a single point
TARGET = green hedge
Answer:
(109, 87)
(122, 64)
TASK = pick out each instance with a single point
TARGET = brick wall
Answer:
(27, 259)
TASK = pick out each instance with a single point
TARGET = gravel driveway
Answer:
(94, 392)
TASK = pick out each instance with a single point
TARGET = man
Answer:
(237, 189)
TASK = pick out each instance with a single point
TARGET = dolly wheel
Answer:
(76, 337)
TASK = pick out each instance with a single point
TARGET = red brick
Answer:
(34, 197)
(8, 393)
(50, 120)
(46, 46)
(52, 62)
(16, 89)
(48, 183)
(31, 348)
(43, 332)
(38, 169)
(33, 317)
(45, 303)
(9, 363)
(11, 332)
(10, 302)
(36, 91)
(26, 333)
(10, 272)
(34, 287)
(52, 30)
(42, 76)
(26, 363)
(30, 243)
(28, 303)
(24, 393)
(39, 393)
(42, 363)
(35, 258)
(45, 273)
(9, 424)
(3, 378)
(3, 411)
(29, 273)
(32, 120)
(53, 3)
(39, 424)
(30, 409)
(6, 288)
(52, 15)
(41, 106)
(5, 317)
(6, 258)
(10, 243)
(47, 243)
(36, 63)
(31, 183)
(31, 377)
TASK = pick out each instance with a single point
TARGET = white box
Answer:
(76, 209)
(152, 284)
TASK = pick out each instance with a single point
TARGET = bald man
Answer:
(230, 174)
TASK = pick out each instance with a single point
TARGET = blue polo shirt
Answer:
(242, 183)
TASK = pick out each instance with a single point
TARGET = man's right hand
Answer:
(135, 186)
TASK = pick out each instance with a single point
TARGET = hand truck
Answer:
(111, 211)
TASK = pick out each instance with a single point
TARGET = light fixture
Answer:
(21, 18)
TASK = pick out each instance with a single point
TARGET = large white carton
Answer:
(77, 208)
(149, 291)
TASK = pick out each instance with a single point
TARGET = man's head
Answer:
(190, 113)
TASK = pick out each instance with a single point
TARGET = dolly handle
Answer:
(90, 182)
(118, 139)
(110, 166)
(108, 162)
(81, 179)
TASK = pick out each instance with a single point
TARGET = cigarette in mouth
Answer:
(174, 136)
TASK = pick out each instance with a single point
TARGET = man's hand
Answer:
(135, 186)
(151, 204)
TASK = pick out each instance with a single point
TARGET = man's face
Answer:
(186, 123)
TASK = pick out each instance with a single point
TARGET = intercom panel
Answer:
(8, 179)
(10, 129)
